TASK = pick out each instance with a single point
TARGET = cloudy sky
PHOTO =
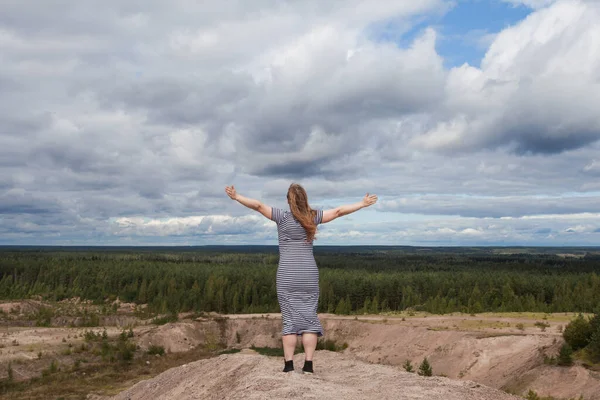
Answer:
(475, 122)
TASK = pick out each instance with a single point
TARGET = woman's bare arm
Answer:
(248, 202)
(330, 215)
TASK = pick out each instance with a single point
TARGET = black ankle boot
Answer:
(308, 367)
(289, 366)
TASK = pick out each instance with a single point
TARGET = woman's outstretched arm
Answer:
(330, 215)
(248, 202)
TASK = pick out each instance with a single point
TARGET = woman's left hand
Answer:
(230, 190)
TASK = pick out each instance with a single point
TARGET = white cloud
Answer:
(190, 226)
(536, 90)
(120, 122)
(535, 4)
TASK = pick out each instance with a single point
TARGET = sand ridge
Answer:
(338, 376)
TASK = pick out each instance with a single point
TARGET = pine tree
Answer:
(235, 303)
(425, 368)
(578, 332)
(195, 296)
(565, 355)
(220, 300)
(367, 305)
(407, 297)
(375, 304)
(593, 348)
(508, 296)
(348, 304)
(331, 300)
(407, 366)
(10, 372)
(341, 307)
(143, 293)
(595, 322)
(531, 395)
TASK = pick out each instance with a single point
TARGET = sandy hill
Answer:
(249, 375)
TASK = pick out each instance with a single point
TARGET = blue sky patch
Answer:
(464, 31)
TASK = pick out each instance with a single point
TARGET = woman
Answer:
(297, 273)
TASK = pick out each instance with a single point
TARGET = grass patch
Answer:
(439, 328)
(165, 319)
(555, 317)
(92, 375)
(230, 351)
(272, 351)
(154, 350)
(485, 335)
(542, 325)
(470, 324)
(331, 345)
(322, 344)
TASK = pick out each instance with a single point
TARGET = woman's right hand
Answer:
(369, 200)
(230, 190)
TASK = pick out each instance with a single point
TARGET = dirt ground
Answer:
(502, 351)
(492, 349)
(252, 376)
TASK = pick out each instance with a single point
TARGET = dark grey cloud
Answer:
(18, 127)
(19, 201)
(290, 170)
(493, 207)
(182, 100)
(527, 143)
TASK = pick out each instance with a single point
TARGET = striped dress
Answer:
(297, 276)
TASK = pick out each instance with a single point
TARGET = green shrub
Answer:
(90, 336)
(578, 332)
(593, 348)
(595, 321)
(10, 372)
(268, 351)
(125, 351)
(531, 395)
(230, 351)
(43, 316)
(331, 345)
(425, 368)
(542, 325)
(89, 319)
(408, 366)
(52, 369)
(549, 360)
(165, 319)
(565, 356)
(154, 349)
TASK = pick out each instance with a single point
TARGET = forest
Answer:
(353, 280)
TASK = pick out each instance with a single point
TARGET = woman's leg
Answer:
(309, 341)
(289, 346)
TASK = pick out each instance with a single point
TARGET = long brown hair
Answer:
(301, 210)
